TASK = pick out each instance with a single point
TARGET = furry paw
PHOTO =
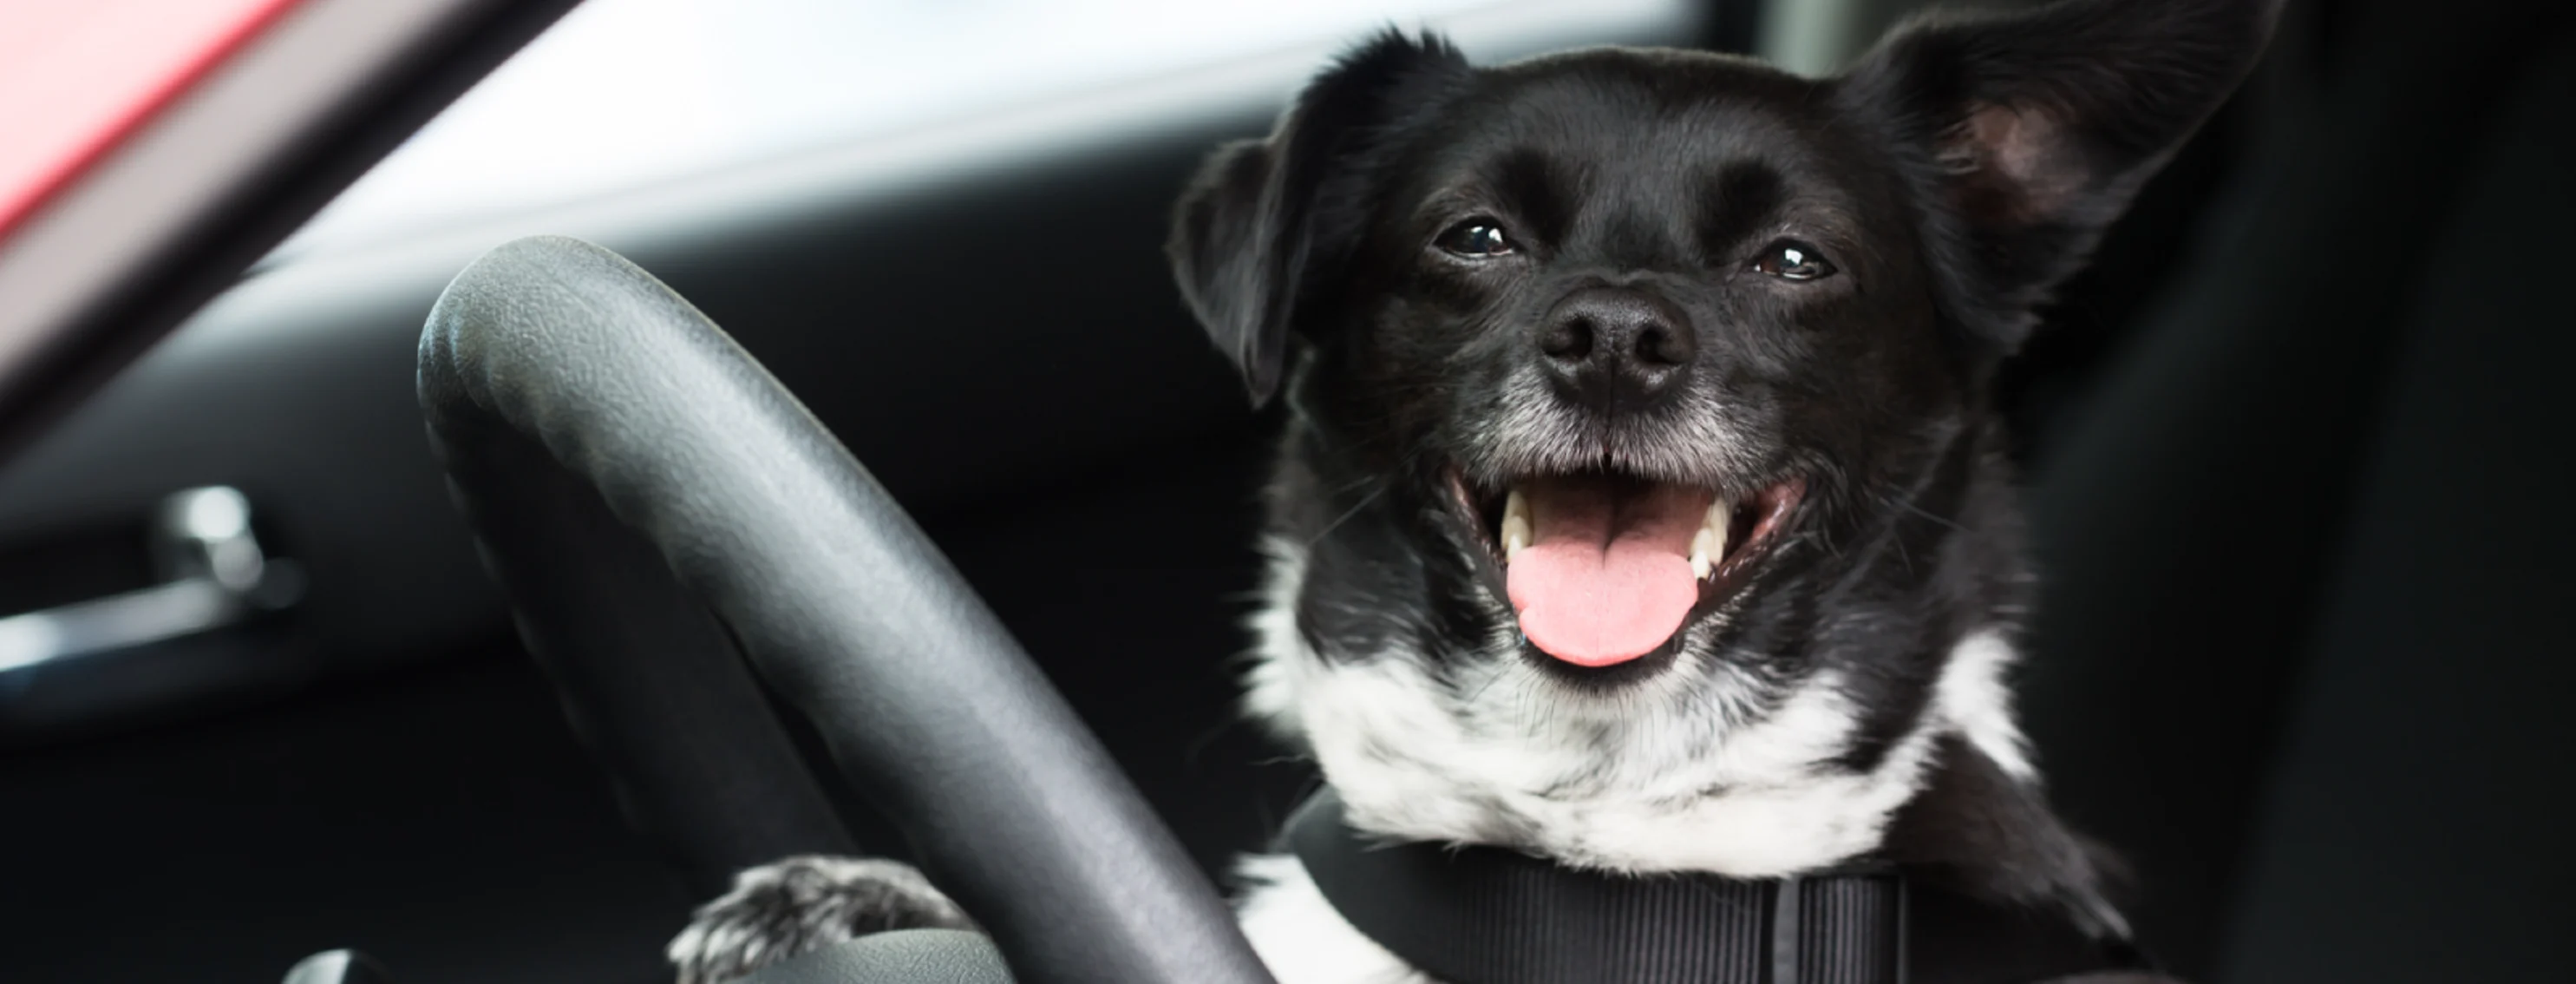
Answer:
(788, 907)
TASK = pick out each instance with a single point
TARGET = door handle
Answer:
(217, 575)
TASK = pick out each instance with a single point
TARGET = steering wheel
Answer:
(667, 520)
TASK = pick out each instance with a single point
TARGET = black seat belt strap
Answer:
(1484, 915)
(1481, 915)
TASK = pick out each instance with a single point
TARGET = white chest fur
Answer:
(1688, 773)
(1299, 935)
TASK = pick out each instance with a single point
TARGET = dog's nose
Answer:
(1617, 347)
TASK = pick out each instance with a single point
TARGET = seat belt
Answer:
(1486, 915)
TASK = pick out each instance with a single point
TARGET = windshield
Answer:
(625, 93)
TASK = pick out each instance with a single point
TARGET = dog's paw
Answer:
(785, 908)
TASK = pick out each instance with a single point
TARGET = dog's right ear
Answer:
(1250, 236)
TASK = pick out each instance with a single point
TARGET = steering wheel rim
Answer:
(551, 368)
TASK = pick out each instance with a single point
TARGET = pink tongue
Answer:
(1606, 577)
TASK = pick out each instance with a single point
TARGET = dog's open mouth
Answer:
(1604, 568)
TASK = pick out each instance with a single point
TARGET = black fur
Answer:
(1251, 236)
(1954, 177)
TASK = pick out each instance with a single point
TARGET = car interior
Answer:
(2291, 453)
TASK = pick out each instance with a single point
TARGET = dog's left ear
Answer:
(2031, 132)
(1264, 220)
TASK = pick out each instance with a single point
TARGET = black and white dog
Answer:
(1641, 506)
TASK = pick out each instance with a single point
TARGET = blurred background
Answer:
(2291, 444)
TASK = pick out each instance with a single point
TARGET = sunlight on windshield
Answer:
(626, 92)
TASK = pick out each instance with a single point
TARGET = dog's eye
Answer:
(1476, 239)
(1790, 259)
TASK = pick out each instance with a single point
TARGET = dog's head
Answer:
(1620, 370)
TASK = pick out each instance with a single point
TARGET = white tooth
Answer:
(1516, 526)
(1708, 546)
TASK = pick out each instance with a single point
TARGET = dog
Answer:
(1641, 505)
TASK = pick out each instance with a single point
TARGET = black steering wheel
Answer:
(667, 520)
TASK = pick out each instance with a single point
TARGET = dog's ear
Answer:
(1264, 220)
(2031, 132)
